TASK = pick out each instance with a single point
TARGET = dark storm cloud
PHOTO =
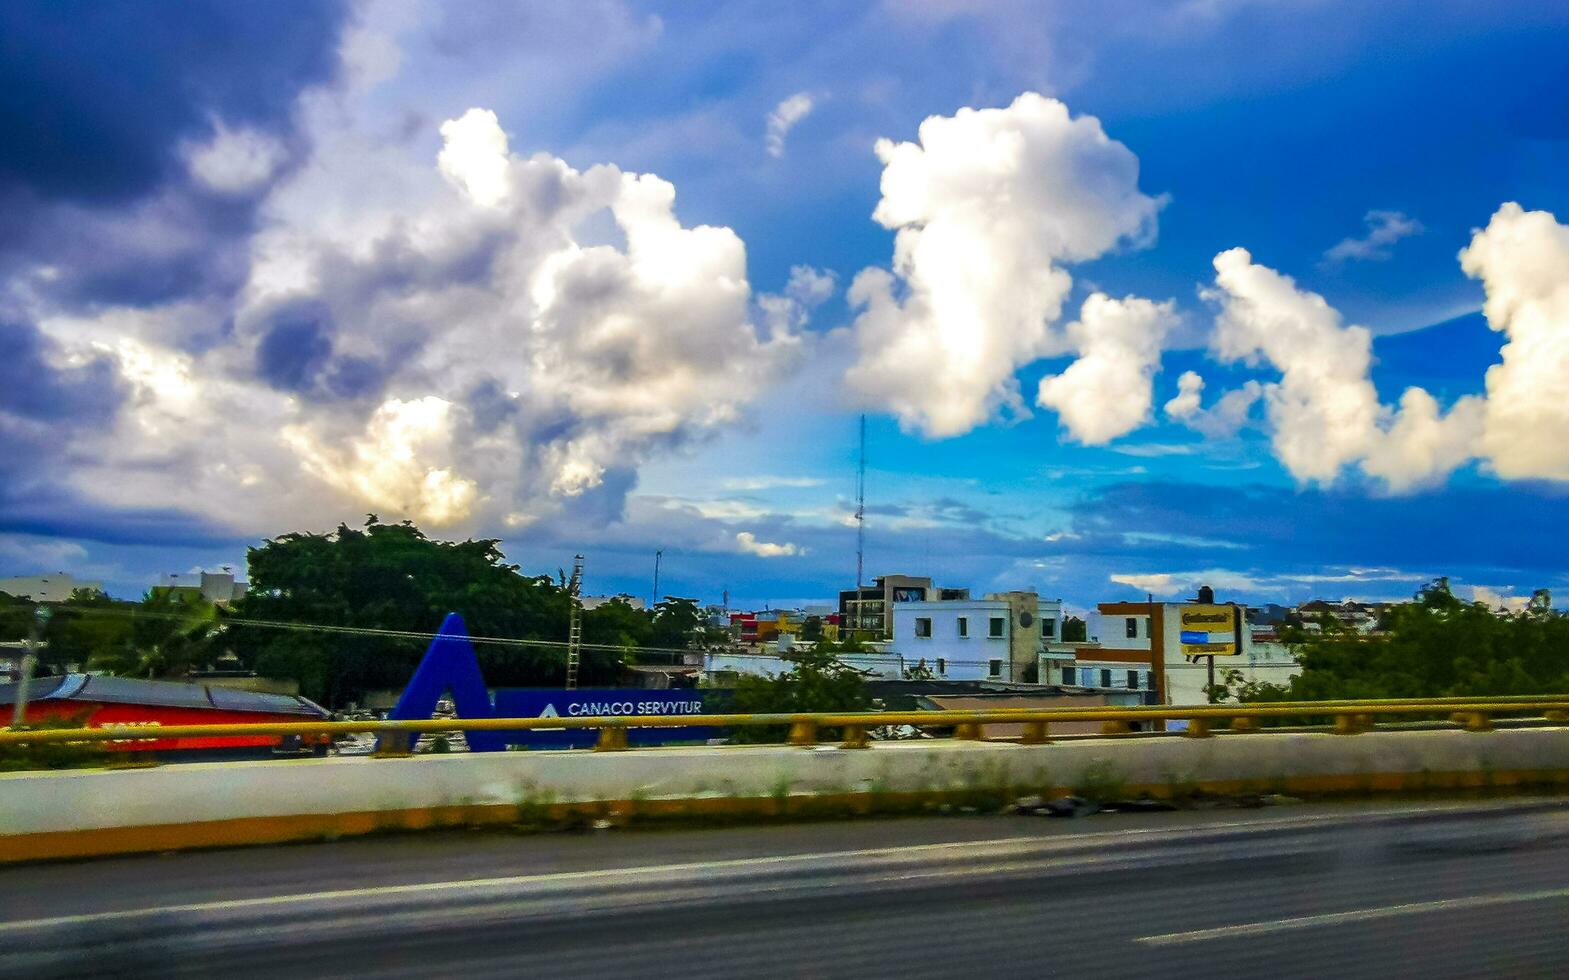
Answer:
(293, 351)
(102, 97)
(40, 405)
(296, 353)
(489, 406)
(31, 389)
(100, 93)
(47, 509)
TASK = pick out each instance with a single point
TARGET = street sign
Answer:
(1210, 630)
(449, 667)
(602, 702)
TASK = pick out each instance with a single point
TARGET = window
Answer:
(964, 626)
(1069, 676)
(1049, 628)
(942, 666)
(1133, 680)
(1133, 627)
(995, 668)
(923, 626)
(1105, 677)
(998, 623)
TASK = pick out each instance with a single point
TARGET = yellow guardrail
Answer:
(1349, 717)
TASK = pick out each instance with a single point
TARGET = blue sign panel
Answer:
(1191, 636)
(449, 665)
(601, 702)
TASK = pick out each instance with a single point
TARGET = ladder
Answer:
(574, 622)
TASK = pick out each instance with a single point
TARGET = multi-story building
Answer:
(1001, 637)
(723, 665)
(1348, 613)
(55, 587)
(218, 588)
(868, 612)
(1165, 647)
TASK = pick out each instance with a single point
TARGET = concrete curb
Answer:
(95, 812)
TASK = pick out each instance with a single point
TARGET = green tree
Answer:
(677, 622)
(812, 629)
(1435, 646)
(817, 681)
(617, 623)
(16, 617)
(1074, 630)
(851, 643)
(86, 627)
(392, 577)
(172, 632)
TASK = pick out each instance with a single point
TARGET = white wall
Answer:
(1087, 673)
(1110, 630)
(1269, 662)
(881, 666)
(56, 587)
(948, 655)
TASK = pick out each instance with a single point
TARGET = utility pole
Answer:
(574, 622)
(653, 600)
(859, 606)
(860, 513)
(41, 615)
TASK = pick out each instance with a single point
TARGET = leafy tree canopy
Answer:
(1074, 630)
(392, 577)
(1436, 646)
(816, 681)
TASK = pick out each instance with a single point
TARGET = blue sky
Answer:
(268, 272)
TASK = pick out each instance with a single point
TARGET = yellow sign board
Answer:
(1210, 631)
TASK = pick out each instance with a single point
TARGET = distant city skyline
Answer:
(1135, 298)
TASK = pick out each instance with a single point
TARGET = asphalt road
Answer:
(1433, 890)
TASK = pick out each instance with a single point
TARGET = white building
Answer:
(1154, 645)
(219, 588)
(999, 638)
(875, 665)
(56, 587)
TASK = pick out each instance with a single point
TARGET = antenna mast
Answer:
(860, 513)
(574, 622)
(653, 600)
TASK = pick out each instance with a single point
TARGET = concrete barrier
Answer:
(85, 812)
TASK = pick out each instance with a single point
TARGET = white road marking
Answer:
(1045, 843)
(1358, 915)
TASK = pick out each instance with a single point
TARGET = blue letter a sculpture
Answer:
(449, 664)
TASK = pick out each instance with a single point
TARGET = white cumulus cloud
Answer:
(1224, 418)
(390, 467)
(1324, 411)
(1384, 228)
(474, 156)
(986, 207)
(1108, 390)
(748, 543)
(1190, 395)
(504, 338)
(1522, 258)
(783, 119)
(234, 161)
(789, 311)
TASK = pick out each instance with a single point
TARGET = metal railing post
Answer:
(1035, 733)
(612, 738)
(803, 731)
